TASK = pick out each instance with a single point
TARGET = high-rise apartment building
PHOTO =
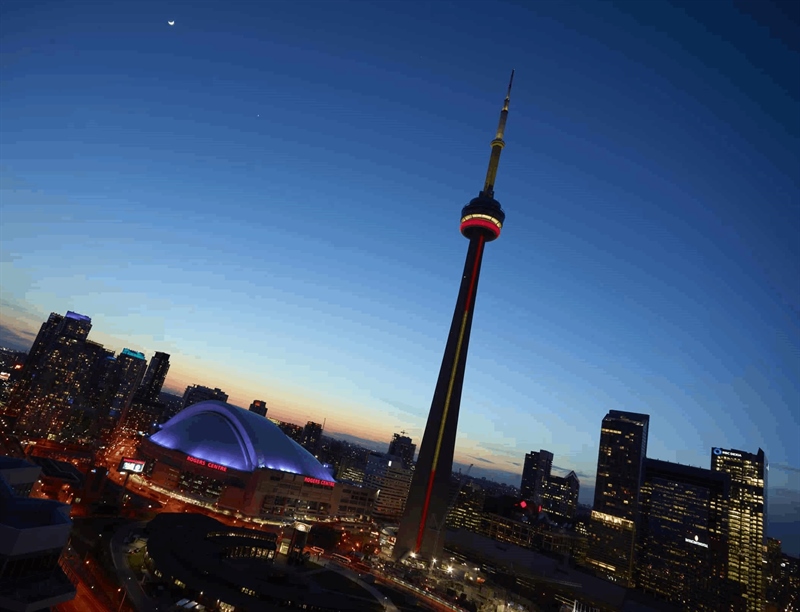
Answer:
(682, 547)
(535, 474)
(259, 407)
(146, 409)
(620, 469)
(746, 520)
(154, 378)
(55, 379)
(312, 436)
(401, 446)
(295, 432)
(560, 496)
(130, 369)
(195, 394)
(391, 479)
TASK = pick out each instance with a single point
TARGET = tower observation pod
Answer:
(422, 526)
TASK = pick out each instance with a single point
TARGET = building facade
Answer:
(402, 446)
(683, 537)
(259, 407)
(154, 378)
(55, 380)
(620, 470)
(195, 394)
(747, 509)
(468, 508)
(391, 480)
(560, 496)
(130, 369)
(312, 436)
(535, 474)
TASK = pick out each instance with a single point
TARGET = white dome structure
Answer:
(237, 439)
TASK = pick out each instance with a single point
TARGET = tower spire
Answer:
(497, 145)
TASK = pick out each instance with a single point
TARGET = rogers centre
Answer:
(241, 461)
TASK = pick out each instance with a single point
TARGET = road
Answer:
(85, 601)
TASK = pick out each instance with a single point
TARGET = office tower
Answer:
(391, 479)
(259, 407)
(426, 511)
(130, 368)
(195, 394)
(468, 508)
(535, 474)
(746, 518)
(55, 378)
(620, 468)
(154, 378)
(560, 496)
(682, 546)
(312, 435)
(401, 446)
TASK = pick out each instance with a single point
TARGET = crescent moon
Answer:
(171, 23)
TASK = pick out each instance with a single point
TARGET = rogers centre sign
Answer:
(208, 464)
(317, 481)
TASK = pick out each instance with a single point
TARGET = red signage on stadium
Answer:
(208, 464)
(324, 483)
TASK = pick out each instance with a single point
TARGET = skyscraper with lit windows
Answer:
(682, 545)
(747, 510)
(55, 379)
(620, 468)
(535, 474)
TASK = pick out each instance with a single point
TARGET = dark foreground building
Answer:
(33, 532)
(430, 494)
(240, 569)
(683, 540)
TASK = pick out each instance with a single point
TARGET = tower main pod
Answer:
(422, 527)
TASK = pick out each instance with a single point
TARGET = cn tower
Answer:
(421, 529)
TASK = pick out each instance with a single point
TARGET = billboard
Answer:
(131, 465)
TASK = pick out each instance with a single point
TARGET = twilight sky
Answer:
(270, 192)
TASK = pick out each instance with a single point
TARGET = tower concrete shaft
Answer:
(423, 523)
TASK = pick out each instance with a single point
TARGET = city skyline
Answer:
(202, 201)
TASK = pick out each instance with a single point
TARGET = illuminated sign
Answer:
(611, 520)
(131, 465)
(317, 481)
(208, 464)
(719, 451)
(696, 543)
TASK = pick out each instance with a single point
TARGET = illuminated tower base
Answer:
(423, 523)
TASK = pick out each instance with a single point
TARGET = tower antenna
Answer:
(497, 144)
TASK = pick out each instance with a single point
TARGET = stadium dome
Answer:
(236, 438)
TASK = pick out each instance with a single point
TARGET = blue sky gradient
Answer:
(270, 193)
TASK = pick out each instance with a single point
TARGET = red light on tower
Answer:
(523, 504)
